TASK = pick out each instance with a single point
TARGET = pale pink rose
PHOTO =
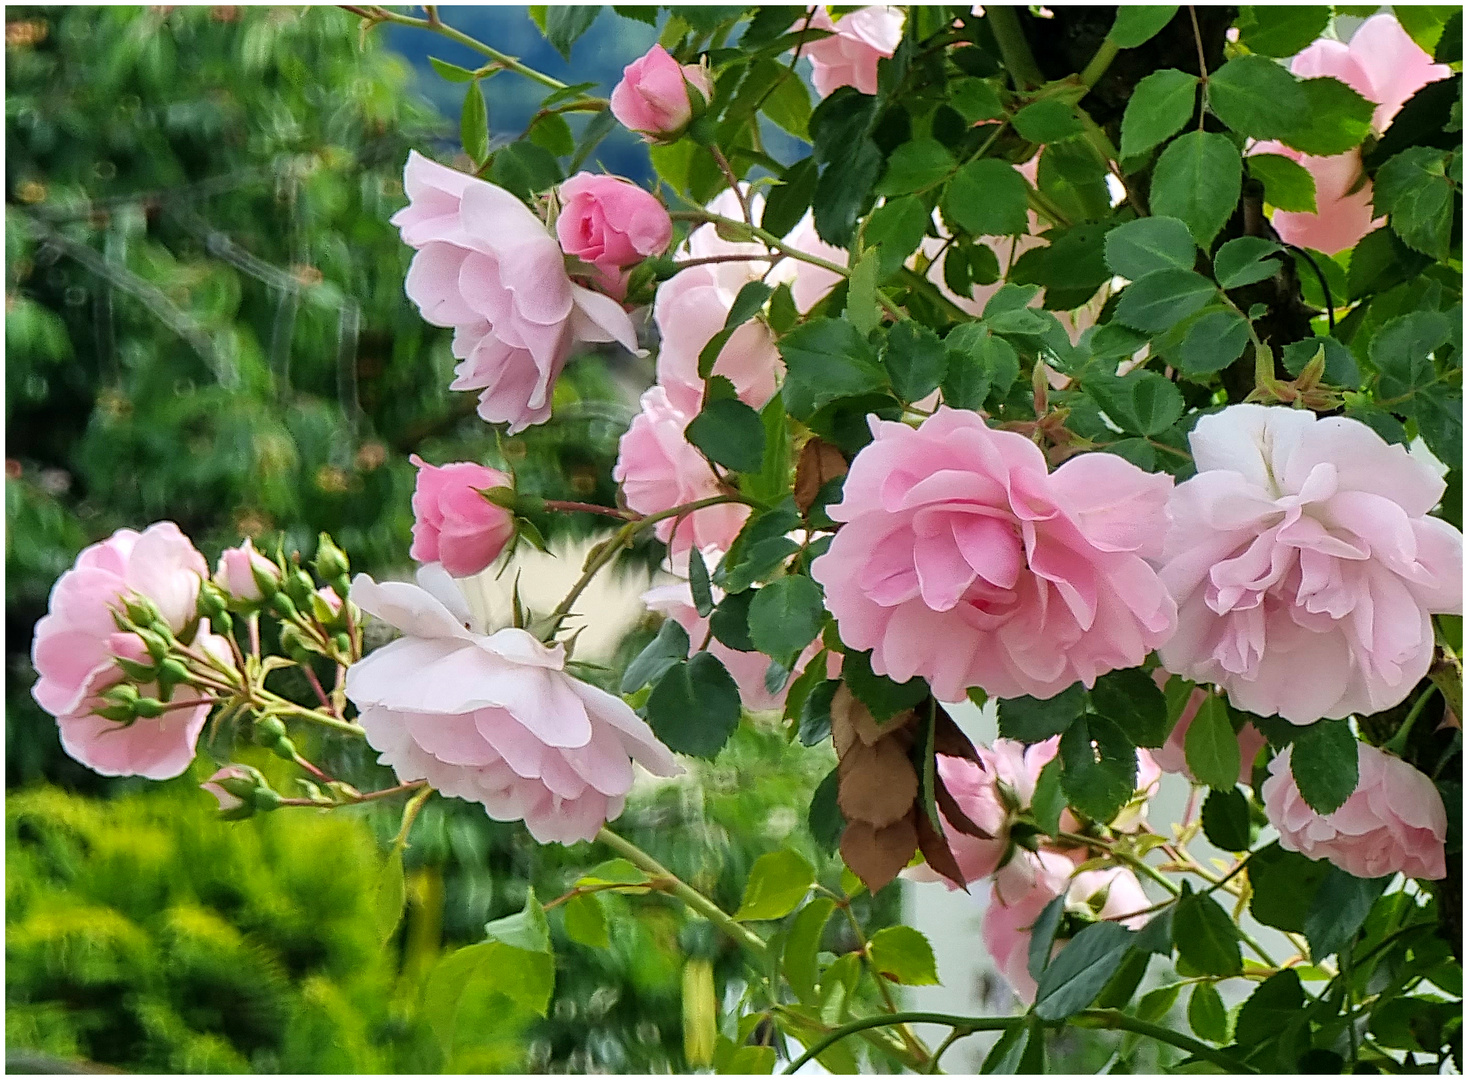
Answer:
(675, 600)
(849, 56)
(1023, 888)
(453, 523)
(963, 560)
(611, 224)
(227, 800)
(652, 97)
(659, 469)
(1304, 545)
(1172, 757)
(76, 642)
(494, 718)
(235, 573)
(487, 266)
(1394, 822)
(1384, 65)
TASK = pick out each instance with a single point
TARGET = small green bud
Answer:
(171, 673)
(213, 604)
(331, 561)
(299, 586)
(122, 714)
(156, 644)
(121, 621)
(265, 799)
(343, 643)
(295, 645)
(269, 730)
(500, 496)
(267, 578)
(148, 707)
(281, 604)
(122, 694)
(141, 610)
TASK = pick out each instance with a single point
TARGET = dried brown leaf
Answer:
(877, 783)
(878, 855)
(819, 462)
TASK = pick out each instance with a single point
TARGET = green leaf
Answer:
(1283, 885)
(1338, 119)
(980, 363)
(730, 621)
(803, 946)
(526, 929)
(1257, 97)
(474, 124)
(883, 697)
(1205, 936)
(747, 303)
(1048, 802)
(1288, 185)
(915, 360)
(788, 105)
(1003, 1058)
(1226, 819)
(662, 652)
(903, 955)
(916, 165)
(975, 99)
(1211, 747)
(844, 192)
(1098, 767)
(1244, 261)
(586, 921)
(1048, 120)
(695, 706)
(1197, 180)
(771, 483)
(862, 310)
(1281, 30)
(895, 229)
(1414, 190)
(1156, 1004)
(1082, 968)
(1339, 909)
(1156, 936)
(390, 896)
(1160, 300)
(730, 433)
(1324, 760)
(824, 817)
(815, 712)
(525, 169)
(451, 72)
(778, 882)
(1137, 24)
(1033, 720)
(614, 872)
(1272, 1007)
(826, 359)
(787, 203)
(1042, 936)
(1139, 402)
(1135, 703)
(1340, 363)
(1214, 341)
(1206, 1013)
(1160, 106)
(1138, 248)
(552, 133)
(786, 615)
(1402, 351)
(698, 583)
(987, 197)
(564, 23)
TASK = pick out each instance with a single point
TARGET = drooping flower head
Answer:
(963, 559)
(494, 718)
(453, 523)
(1305, 564)
(611, 224)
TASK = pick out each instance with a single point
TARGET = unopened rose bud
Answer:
(247, 575)
(171, 674)
(122, 694)
(283, 606)
(141, 610)
(136, 670)
(213, 604)
(122, 714)
(265, 799)
(295, 645)
(331, 561)
(234, 786)
(155, 643)
(269, 730)
(326, 605)
(149, 708)
(299, 587)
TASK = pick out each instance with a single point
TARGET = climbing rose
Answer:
(76, 644)
(849, 56)
(1305, 565)
(1394, 822)
(652, 97)
(964, 561)
(453, 523)
(611, 224)
(486, 266)
(235, 573)
(494, 718)
(1024, 887)
(659, 469)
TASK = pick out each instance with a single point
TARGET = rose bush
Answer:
(1008, 394)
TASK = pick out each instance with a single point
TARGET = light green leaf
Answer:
(1206, 1014)
(1288, 185)
(390, 896)
(803, 946)
(1137, 24)
(474, 124)
(903, 955)
(778, 881)
(1137, 248)
(586, 921)
(1048, 120)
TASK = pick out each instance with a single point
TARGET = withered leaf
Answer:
(953, 813)
(877, 783)
(878, 855)
(848, 711)
(950, 741)
(819, 461)
(934, 846)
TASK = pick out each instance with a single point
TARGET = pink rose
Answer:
(1383, 65)
(494, 718)
(236, 571)
(675, 600)
(76, 643)
(1172, 757)
(652, 97)
(1305, 566)
(963, 560)
(659, 469)
(453, 523)
(486, 266)
(611, 224)
(1394, 822)
(1024, 887)
(849, 56)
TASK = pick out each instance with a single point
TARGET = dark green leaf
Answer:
(1284, 885)
(1197, 180)
(815, 714)
(1121, 986)
(1288, 185)
(1245, 260)
(1137, 24)
(1214, 341)
(662, 652)
(1337, 120)
(895, 229)
(1156, 936)
(787, 203)
(979, 363)
(1139, 247)
(882, 697)
(1082, 968)
(778, 882)
(916, 165)
(564, 23)
(786, 615)
(1402, 351)
(1205, 936)
(1139, 402)
(552, 133)
(474, 124)
(915, 360)
(525, 169)
(1338, 910)
(824, 819)
(988, 197)
(1033, 720)
(1098, 767)
(1413, 188)
(1048, 120)
(1135, 703)
(1042, 936)
(826, 359)
(1226, 819)
(1340, 362)
(730, 433)
(844, 191)
(698, 583)
(1281, 29)
(1160, 106)
(1206, 1014)
(1160, 300)
(1211, 747)
(1048, 802)
(1156, 1004)
(1324, 760)
(975, 99)
(1003, 1059)
(1273, 1005)
(1257, 97)
(730, 621)
(695, 706)
(752, 296)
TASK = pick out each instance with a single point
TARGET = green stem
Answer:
(276, 704)
(410, 812)
(1013, 48)
(1099, 63)
(1121, 856)
(914, 1047)
(689, 895)
(1120, 1021)
(1448, 679)
(1398, 741)
(967, 1024)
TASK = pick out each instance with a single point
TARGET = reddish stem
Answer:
(589, 508)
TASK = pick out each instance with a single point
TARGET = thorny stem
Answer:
(420, 786)
(567, 506)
